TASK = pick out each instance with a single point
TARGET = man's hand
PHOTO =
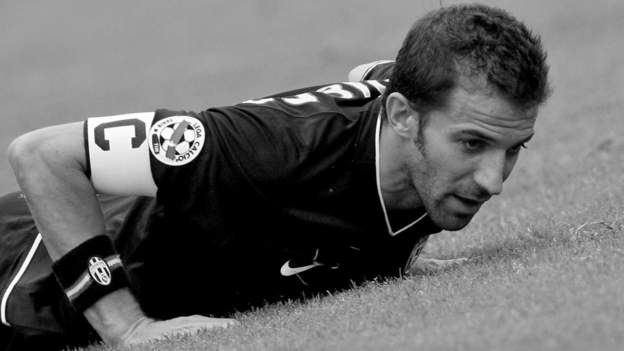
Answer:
(146, 329)
(423, 265)
(119, 320)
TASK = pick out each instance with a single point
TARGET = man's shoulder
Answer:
(377, 70)
(347, 99)
(277, 136)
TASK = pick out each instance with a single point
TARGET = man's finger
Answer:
(149, 329)
(202, 322)
(431, 265)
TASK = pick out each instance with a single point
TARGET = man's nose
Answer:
(490, 174)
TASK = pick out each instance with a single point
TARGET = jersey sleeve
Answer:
(262, 146)
(377, 70)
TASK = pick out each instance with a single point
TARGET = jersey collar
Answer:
(378, 181)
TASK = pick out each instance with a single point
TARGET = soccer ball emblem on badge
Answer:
(177, 145)
(177, 140)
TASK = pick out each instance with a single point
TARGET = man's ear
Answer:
(401, 117)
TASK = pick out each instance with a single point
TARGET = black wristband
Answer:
(90, 271)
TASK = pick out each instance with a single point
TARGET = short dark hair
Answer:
(473, 41)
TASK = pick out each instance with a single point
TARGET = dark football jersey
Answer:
(281, 200)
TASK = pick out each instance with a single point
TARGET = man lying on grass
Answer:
(279, 197)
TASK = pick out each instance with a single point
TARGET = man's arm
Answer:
(50, 166)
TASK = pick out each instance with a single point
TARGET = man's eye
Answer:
(473, 145)
(516, 149)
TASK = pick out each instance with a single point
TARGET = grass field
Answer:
(548, 254)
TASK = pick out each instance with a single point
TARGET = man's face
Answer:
(464, 152)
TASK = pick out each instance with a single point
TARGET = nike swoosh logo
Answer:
(287, 270)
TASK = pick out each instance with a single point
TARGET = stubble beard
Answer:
(423, 180)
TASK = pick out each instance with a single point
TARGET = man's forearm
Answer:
(49, 166)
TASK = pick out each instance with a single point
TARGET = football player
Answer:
(279, 197)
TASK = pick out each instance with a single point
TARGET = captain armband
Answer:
(90, 271)
(118, 154)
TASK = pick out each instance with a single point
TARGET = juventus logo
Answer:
(99, 271)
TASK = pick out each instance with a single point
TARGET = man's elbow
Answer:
(24, 152)
(52, 150)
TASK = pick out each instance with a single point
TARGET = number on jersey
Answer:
(344, 91)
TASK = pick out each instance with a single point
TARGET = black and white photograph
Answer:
(312, 175)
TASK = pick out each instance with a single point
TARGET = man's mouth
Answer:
(471, 204)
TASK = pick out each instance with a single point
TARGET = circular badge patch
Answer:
(99, 271)
(176, 140)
